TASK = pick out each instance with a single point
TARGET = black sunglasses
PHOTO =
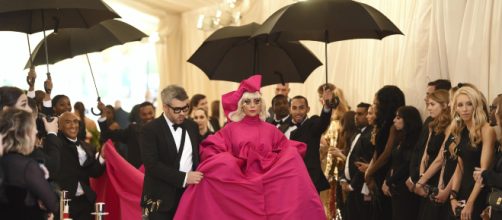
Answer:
(178, 110)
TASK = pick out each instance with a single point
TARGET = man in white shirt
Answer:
(78, 162)
(352, 178)
(170, 152)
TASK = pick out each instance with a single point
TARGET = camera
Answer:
(333, 102)
(41, 132)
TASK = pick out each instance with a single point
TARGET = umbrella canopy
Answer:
(328, 21)
(70, 42)
(31, 16)
(229, 55)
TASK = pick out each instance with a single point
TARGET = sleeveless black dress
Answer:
(471, 157)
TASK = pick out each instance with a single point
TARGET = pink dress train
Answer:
(251, 171)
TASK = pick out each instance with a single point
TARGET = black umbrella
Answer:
(327, 21)
(228, 54)
(31, 16)
(70, 42)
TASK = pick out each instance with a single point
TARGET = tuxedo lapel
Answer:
(168, 137)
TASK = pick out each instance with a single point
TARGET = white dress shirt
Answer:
(82, 157)
(346, 170)
(186, 156)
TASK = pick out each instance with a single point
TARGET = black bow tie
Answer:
(292, 123)
(176, 126)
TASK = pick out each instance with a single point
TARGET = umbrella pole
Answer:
(45, 46)
(326, 54)
(94, 81)
(255, 57)
(29, 50)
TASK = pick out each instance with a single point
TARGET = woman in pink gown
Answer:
(251, 170)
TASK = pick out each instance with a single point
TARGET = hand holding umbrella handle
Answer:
(330, 99)
(48, 84)
(92, 109)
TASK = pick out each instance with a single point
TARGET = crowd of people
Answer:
(376, 161)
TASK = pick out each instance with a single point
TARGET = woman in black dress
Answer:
(475, 148)
(29, 195)
(492, 178)
(404, 203)
(432, 160)
(386, 102)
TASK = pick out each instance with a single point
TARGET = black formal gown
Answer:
(24, 185)
(404, 203)
(471, 157)
(430, 210)
(381, 208)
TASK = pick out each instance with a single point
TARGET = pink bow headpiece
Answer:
(230, 100)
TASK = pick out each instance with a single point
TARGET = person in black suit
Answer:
(280, 89)
(309, 131)
(78, 162)
(130, 135)
(170, 152)
(352, 179)
(280, 107)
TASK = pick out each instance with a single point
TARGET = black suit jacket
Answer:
(310, 133)
(363, 151)
(163, 181)
(71, 172)
(128, 136)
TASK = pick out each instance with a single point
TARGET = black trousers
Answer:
(357, 208)
(81, 208)
(161, 216)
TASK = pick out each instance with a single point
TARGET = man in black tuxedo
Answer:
(352, 179)
(130, 135)
(78, 162)
(309, 131)
(280, 89)
(170, 152)
(280, 107)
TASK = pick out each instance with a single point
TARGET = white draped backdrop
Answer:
(460, 40)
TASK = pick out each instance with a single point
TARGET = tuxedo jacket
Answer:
(128, 136)
(362, 152)
(163, 182)
(71, 172)
(310, 132)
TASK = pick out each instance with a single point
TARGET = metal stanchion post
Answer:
(64, 206)
(99, 211)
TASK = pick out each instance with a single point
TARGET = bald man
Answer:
(78, 163)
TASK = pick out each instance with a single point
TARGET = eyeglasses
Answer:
(178, 110)
(256, 101)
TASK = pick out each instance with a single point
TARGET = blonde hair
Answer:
(479, 115)
(16, 126)
(442, 121)
(238, 114)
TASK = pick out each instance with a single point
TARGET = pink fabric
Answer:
(251, 171)
(230, 100)
(120, 187)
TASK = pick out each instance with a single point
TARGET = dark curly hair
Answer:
(388, 100)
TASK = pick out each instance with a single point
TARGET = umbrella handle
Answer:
(92, 109)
